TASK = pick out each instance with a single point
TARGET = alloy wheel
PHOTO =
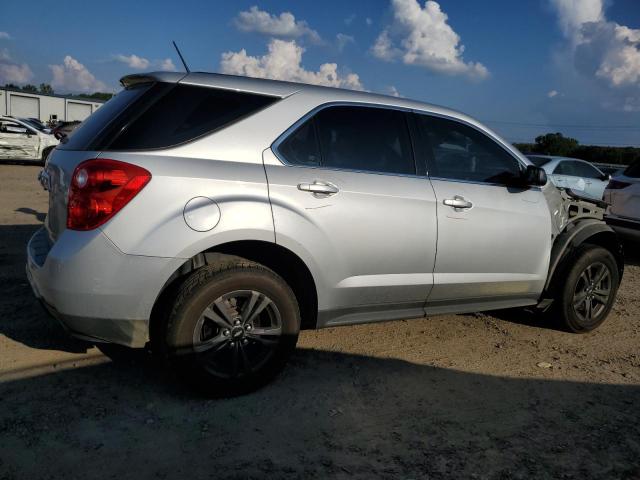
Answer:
(237, 333)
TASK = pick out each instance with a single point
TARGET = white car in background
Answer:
(573, 173)
(623, 196)
(20, 140)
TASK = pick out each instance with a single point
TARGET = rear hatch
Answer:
(623, 193)
(86, 142)
(150, 114)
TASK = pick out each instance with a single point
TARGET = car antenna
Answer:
(181, 57)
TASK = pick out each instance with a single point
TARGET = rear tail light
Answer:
(617, 185)
(99, 189)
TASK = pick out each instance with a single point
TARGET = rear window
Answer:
(633, 170)
(163, 115)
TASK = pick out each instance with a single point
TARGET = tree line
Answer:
(558, 144)
(46, 89)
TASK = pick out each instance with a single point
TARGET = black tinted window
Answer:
(564, 168)
(163, 115)
(186, 112)
(365, 138)
(633, 170)
(460, 152)
(301, 147)
(83, 137)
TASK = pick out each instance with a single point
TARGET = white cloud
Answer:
(368, 21)
(14, 73)
(4, 36)
(421, 36)
(349, 20)
(552, 93)
(133, 61)
(572, 14)
(342, 40)
(141, 63)
(167, 65)
(74, 77)
(4, 55)
(283, 25)
(601, 49)
(284, 62)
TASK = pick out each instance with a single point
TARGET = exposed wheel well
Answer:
(605, 239)
(279, 259)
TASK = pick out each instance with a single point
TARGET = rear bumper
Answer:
(96, 291)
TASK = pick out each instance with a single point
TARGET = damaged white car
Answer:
(21, 141)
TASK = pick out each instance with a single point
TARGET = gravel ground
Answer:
(466, 396)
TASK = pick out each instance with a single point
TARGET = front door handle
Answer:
(317, 187)
(457, 202)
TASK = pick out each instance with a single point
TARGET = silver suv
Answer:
(212, 217)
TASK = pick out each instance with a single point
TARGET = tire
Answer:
(215, 338)
(45, 155)
(589, 290)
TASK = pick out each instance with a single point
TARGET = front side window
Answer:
(586, 171)
(564, 168)
(13, 128)
(460, 152)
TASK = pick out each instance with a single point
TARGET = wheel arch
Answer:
(281, 260)
(590, 231)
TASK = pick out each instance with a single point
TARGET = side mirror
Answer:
(535, 176)
(605, 177)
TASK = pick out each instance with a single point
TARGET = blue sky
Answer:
(524, 67)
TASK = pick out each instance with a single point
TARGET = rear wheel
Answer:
(589, 291)
(232, 327)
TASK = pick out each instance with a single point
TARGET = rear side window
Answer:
(301, 147)
(165, 115)
(367, 139)
(460, 152)
(82, 138)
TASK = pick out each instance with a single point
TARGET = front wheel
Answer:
(232, 327)
(589, 290)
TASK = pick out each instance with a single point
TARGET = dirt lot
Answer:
(443, 397)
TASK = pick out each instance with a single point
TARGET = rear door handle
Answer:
(457, 202)
(317, 187)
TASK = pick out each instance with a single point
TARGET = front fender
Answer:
(579, 233)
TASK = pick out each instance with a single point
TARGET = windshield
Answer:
(538, 161)
(37, 125)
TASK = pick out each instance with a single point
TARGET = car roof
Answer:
(283, 89)
(321, 94)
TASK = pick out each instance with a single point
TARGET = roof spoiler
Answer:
(139, 78)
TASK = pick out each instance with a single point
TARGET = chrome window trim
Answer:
(283, 136)
(489, 184)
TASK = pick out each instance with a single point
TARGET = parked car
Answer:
(573, 173)
(623, 196)
(232, 212)
(37, 124)
(19, 140)
(64, 129)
